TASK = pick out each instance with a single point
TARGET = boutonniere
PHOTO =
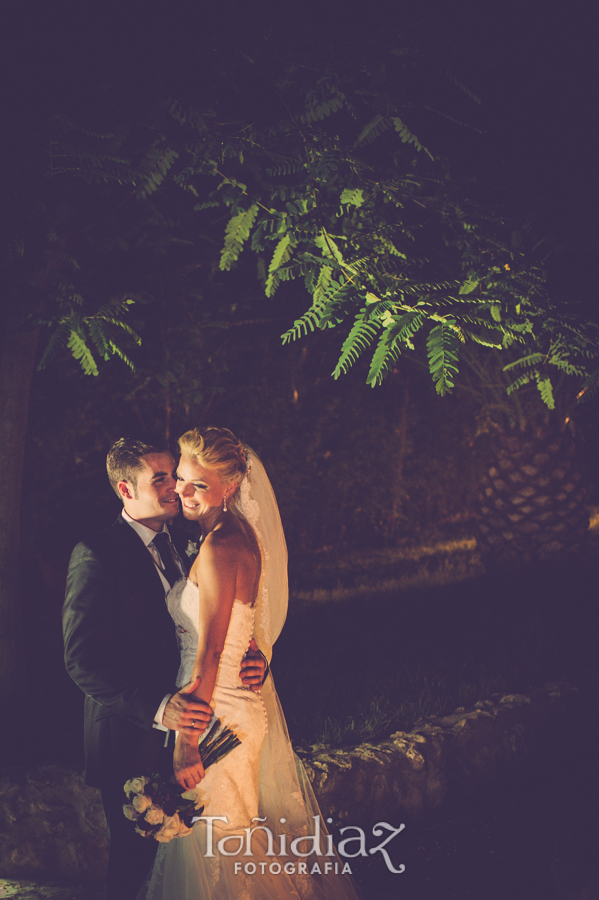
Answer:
(192, 549)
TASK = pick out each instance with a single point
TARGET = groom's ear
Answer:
(125, 490)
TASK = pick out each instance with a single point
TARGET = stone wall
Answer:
(441, 761)
(52, 825)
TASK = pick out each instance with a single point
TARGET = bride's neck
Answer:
(211, 520)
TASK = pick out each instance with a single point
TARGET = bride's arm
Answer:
(215, 572)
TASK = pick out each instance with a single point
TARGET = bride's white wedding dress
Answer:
(221, 860)
(230, 787)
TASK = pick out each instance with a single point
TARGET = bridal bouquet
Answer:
(164, 810)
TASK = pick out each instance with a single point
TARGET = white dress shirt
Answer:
(147, 535)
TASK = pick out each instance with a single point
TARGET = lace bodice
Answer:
(184, 606)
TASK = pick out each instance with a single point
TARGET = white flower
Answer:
(154, 816)
(183, 830)
(169, 829)
(192, 548)
(136, 785)
(141, 803)
(130, 812)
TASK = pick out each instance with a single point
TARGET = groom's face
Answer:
(153, 499)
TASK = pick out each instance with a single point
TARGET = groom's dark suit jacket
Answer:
(120, 649)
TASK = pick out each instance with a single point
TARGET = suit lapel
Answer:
(138, 554)
(137, 566)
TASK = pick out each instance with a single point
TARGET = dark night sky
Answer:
(534, 64)
(540, 82)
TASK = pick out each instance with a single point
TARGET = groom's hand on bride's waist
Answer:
(186, 714)
(254, 667)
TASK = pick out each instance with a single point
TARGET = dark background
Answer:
(353, 468)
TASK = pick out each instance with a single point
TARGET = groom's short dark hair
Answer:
(124, 461)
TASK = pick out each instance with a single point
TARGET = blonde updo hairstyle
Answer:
(217, 449)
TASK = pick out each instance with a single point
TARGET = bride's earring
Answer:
(225, 503)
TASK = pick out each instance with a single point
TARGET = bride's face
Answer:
(200, 489)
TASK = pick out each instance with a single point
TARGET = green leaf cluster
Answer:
(83, 334)
(336, 189)
(315, 166)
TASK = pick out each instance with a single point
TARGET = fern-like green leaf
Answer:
(566, 366)
(396, 337)
(533, 359)
(481, 341)
(310, 321)
(362, 334)
(99, 337)
(407, 137)
(118, 351)
(442, 349)
(391, 248)
(404, 328)
(323, 284)
(385, 355)
(58, 341)
(236, 234)
(282, 254)
(206, 204)
(352, 197)
(288, 168)
(126, 328)
(320, 313)
(329, 248)
(519, 382)
(469, 285)
(459, 84)
(545, 390)
(112, 313)
(372, 129)
(82, 353)
(156, 164)
(320, 110)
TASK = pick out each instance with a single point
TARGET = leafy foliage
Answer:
(337, 189)
(317, 167)
(237, 232)
(100, 329)
(442, 346)
(79, 204)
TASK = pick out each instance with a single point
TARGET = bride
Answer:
(260, 835)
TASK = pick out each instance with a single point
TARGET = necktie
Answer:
(169, 569)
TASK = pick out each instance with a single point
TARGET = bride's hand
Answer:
(187, 762)
(185, 713)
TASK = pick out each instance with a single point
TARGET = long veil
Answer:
(257, 504)
(285, 792)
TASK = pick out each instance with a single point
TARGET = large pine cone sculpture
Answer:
(532, 499)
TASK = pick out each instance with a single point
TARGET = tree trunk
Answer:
(401, 433)
(532, 498)
(17, 362)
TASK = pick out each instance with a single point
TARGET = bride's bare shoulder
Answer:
(234, 537)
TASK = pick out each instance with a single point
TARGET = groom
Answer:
(121, 648)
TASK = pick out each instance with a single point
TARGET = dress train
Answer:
(273, 844)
